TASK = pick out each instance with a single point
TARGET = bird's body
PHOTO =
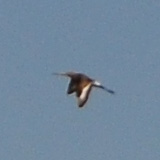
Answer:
(81, 84)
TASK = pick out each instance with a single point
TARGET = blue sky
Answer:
(115, 41)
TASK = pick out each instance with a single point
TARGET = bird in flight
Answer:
(81, 84)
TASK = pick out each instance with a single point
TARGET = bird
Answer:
(81, 85)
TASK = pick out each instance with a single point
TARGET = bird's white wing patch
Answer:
(84, 95)
(96, 83)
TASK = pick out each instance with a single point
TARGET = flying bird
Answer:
(81, 84)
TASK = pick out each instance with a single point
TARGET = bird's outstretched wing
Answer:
(83, 96)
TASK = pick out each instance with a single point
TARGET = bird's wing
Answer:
(83, 97)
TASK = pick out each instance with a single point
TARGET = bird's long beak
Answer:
(59, 74)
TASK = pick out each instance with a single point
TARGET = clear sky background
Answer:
(114, 41)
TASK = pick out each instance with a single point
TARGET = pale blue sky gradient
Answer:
(115, 41)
